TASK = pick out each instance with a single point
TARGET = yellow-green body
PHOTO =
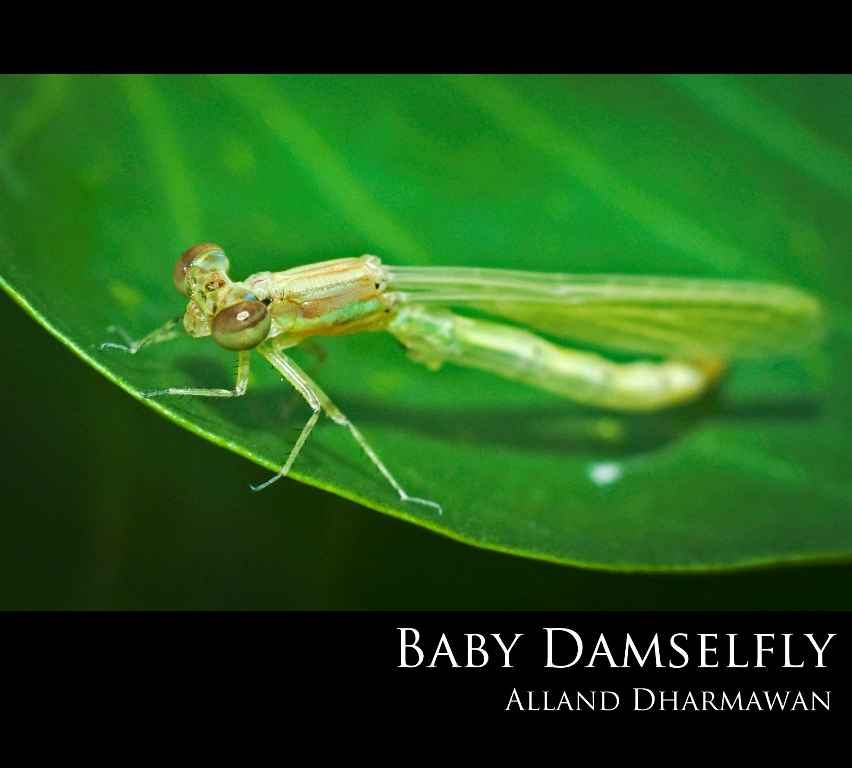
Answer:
(697, 324)
(688, 328)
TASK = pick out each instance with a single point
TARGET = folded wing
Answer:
(672, 317)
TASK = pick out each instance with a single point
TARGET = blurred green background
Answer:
(108, 505)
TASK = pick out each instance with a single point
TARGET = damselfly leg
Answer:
(320, 401)
(171, 330)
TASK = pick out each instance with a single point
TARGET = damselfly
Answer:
(691, 326)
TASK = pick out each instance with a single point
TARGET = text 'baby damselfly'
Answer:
(692, 325)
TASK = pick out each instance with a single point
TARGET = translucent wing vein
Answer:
(672, 317)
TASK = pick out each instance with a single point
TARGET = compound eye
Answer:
(206, 256)
(242, 326)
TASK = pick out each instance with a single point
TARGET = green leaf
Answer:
(104, 182)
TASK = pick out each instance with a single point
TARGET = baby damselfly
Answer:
(691, 327)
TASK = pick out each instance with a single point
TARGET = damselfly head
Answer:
(202, 259)
(241, 326)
